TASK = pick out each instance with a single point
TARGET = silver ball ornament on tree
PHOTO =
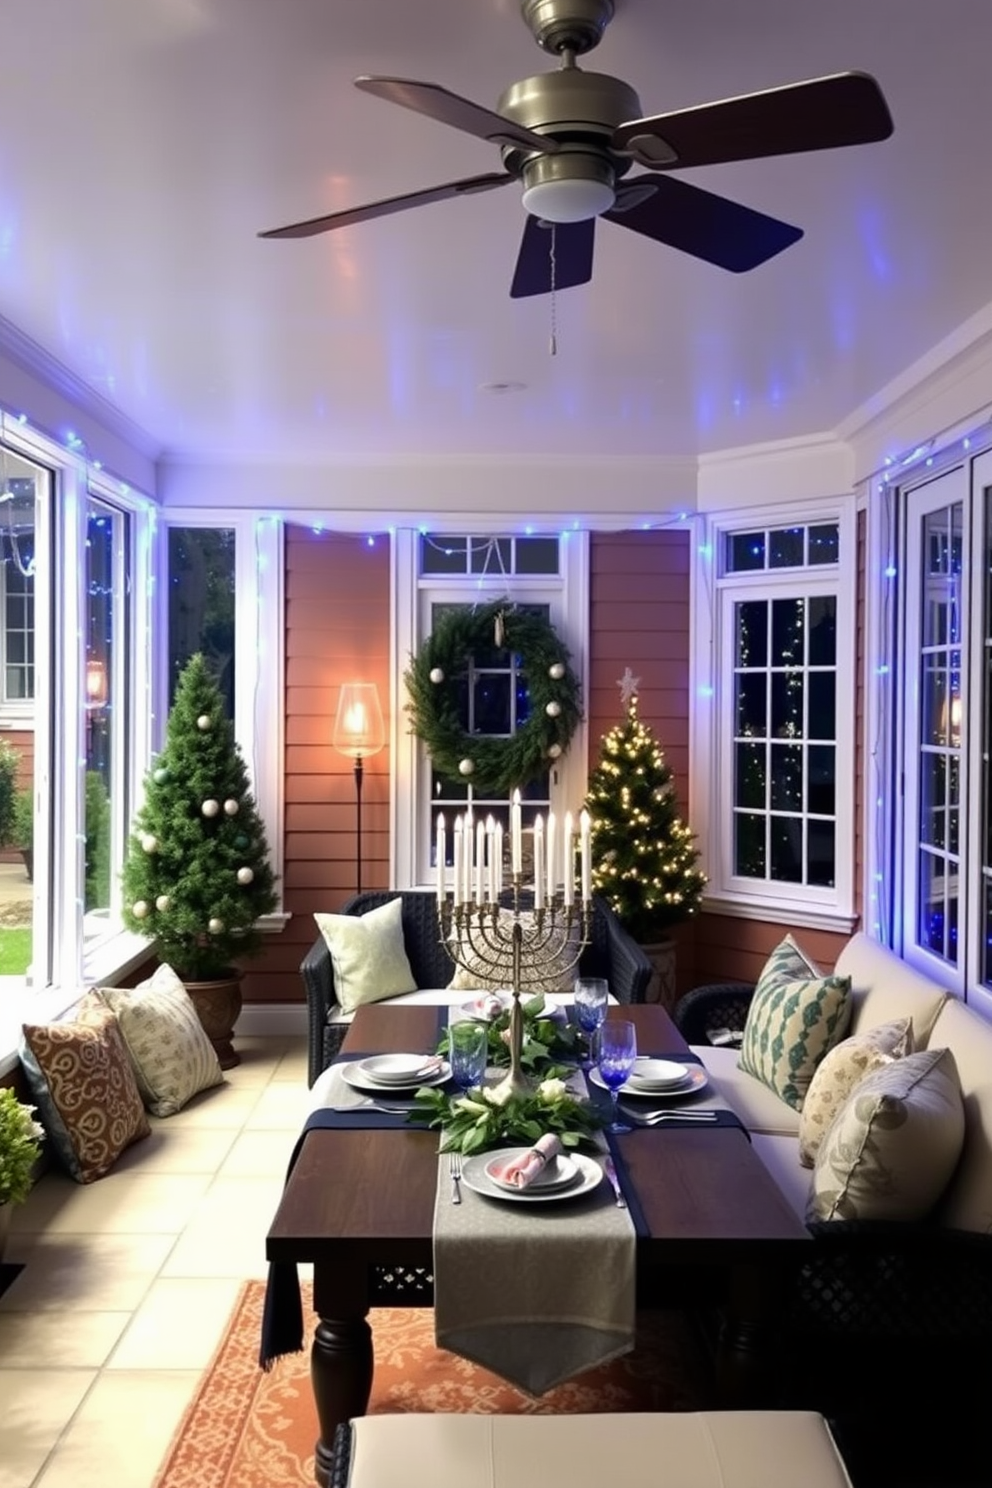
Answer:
(204, 723)
(552, 709)
(556, 670)
(139, 909)
(466, 767)
(163, 902)
(215, 926)
(245, 875)
(231, 806)
(210, 808)
(149, 842)
(437, 675)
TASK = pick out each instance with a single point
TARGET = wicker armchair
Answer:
(611, 953)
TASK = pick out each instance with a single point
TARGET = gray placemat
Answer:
(536, 1293)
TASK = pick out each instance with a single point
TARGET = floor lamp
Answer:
(358, 733)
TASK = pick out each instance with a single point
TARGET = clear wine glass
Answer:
(614, 1050)
(468, 1046)
(590, 996)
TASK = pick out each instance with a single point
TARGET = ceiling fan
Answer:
(570, 137)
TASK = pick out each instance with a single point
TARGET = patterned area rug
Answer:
(248, 1429)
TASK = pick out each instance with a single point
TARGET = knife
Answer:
(609, 1169)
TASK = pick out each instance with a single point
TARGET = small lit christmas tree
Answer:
(644, 861)
(197, 874)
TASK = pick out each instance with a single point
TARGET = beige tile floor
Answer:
(128, 1282)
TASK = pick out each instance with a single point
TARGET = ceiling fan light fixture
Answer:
(568, 187)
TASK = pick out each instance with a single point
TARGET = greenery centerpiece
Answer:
(20, 1147)
(547, 1036)
(482, 1118)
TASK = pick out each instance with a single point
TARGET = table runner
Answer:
(536, 1294)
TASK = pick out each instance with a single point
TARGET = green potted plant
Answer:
(197, 878)
(9, 763)
(20, 1147)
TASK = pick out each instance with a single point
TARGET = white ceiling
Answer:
(144, 143)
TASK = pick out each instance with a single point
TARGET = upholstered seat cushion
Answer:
(760, 1109)
(694, 1449)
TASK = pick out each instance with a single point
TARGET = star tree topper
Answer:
(629, 686)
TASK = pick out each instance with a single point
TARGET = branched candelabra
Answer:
(533, 945)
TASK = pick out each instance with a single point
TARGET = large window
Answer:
(944, 825)
(434, 573)
(773, 725)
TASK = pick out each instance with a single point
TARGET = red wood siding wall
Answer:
(337, 630)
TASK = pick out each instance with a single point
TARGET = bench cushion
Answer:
(883, 987)
(759, 1108)
(702, 1449)
(967, 1204)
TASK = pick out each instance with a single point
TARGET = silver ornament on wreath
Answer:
(556, 670)
(466, 767)
(437, 675)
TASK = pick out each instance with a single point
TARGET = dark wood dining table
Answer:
(360, 1200)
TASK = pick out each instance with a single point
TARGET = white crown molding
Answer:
(33, 359)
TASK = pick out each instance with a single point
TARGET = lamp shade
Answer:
(358, 729)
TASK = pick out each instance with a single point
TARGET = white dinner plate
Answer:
(561, 1172)
(399, 1069)
(474, 1176)
(354, 1075)
(658, 1074)
(697, 1079)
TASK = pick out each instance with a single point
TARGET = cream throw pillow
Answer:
(794, 1019)
(368, 953)
(894, 1144)
(172, 1057)
(553, 968)
(841, 1070)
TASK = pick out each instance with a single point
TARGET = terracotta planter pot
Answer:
(218, 1004)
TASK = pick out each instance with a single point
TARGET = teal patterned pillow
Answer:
(793, 1021)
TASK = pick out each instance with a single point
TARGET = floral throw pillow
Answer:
(82, 1082)
(841, 1070)
(893, 1146)
(172, 1057)
(794, 1020)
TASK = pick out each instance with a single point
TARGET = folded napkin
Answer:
(522, 1170)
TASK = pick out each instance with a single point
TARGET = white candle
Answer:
(480, 862)
(456, 896)
(441, 850)
(491, 857)
(467, 860)
(568, 860)
(538, 863)
(550, 843)
(499, 859)
(585, 840)
(516, 841)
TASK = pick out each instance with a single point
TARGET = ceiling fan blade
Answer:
(387, 206)
(707, 226)
(846, 108)
(557, 255)
(449, 108)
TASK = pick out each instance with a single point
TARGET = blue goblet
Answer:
(468, 1045)
(615, 1050)
(590, 996)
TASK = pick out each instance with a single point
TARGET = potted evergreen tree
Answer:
(644, 857)
(197, 876)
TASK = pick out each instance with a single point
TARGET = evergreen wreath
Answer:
(493, 766)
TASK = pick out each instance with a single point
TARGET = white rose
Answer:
(497, 1095)
(550, 1091)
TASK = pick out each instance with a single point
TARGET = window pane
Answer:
(490, 704)
(17, 582)
(749, 783)
(749, 845)
(537, 555)
(821, 778)
(824, 543)
(751, 637)
(745, 550)
(752, 704)
(822, 630)
(491, 555)
(443, 555)
(822, 705)
(785, 547)
(787, 705)
(788, 631)
(786, 849)
(821, 854)
(202, 603)
(787, 777)
(101, 640)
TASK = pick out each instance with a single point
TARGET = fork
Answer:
(455, 1170)
(656, 1118)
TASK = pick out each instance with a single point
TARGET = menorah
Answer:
(491, 930)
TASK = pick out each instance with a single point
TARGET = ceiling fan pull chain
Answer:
(553, 347)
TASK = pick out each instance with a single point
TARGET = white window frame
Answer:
(259, 667)
(568, 597)
(714, 594)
